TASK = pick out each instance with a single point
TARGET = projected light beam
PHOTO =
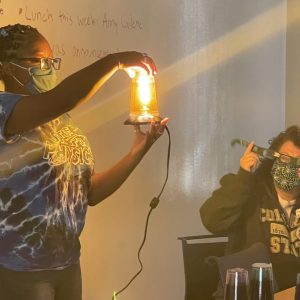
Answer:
(236, 42)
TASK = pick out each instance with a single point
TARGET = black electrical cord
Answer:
(153, 204)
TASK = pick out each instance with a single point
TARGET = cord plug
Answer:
(154, 202)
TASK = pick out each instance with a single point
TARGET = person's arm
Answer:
(107, 182)
(34, 110)
(224, 209)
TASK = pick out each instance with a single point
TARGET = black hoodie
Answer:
(247, 210)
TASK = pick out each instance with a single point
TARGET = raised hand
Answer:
(135, 59)
(144, 140)
(250, 160)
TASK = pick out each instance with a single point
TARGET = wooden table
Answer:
(287, 294)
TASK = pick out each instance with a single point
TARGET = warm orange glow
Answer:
(143, 102)
(144, 90)
(251, 34)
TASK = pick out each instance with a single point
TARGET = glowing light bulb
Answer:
(143, 102)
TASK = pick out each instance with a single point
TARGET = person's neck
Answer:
(11, 86)
(288, 196)
(20, 91)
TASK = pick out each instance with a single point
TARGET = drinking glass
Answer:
(261, 282)
(297, 290)
(237, 284)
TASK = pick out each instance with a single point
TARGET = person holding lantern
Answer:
(47, 178)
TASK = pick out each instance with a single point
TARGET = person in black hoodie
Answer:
(261, 203)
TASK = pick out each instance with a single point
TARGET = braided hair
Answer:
(10, 39)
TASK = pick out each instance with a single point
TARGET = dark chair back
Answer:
(201, 279)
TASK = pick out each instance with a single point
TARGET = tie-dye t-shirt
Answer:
(45, 175)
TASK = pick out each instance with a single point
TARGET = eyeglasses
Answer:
(45, 62)
(287, 159)
(268, 153)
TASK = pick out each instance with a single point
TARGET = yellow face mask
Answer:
(40, 80)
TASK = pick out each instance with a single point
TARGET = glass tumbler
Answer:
(261, 285)
(237, 284)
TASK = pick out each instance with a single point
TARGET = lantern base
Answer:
(141, 120)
